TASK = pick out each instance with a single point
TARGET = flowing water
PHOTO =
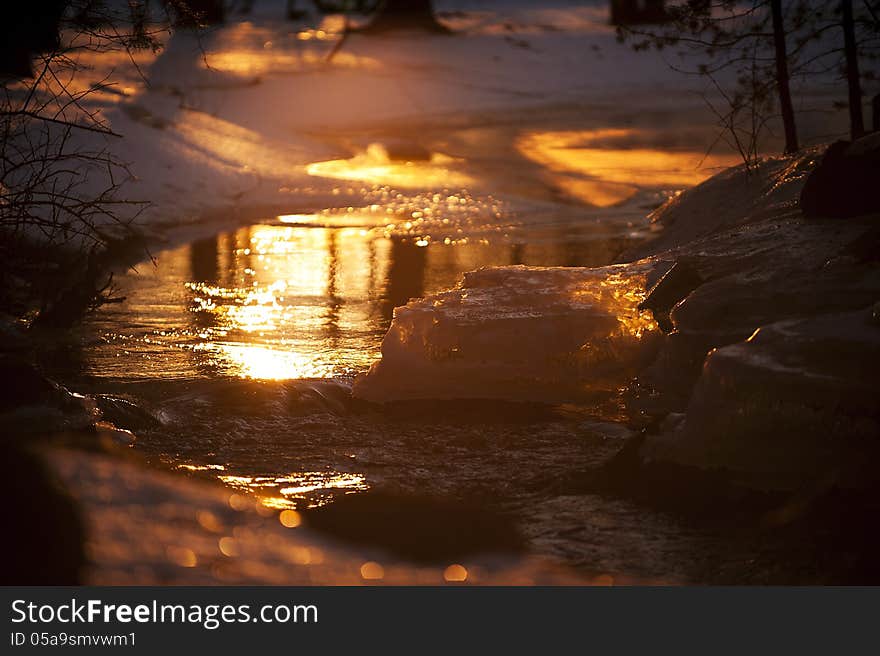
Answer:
(243, 346)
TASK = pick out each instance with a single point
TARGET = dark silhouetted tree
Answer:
(764, 47)
(196, 13)
(853, 79)
(745, 42)
(60, 206)
(394, 15)
(782, 78)
(638, 12)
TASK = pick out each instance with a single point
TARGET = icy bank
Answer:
(779, 351)
(518, 333)
(773, 354)
(562, 334)
(734, 197)
(794, 401)
(766, 344)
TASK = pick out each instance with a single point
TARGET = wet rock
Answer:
(125, 413)
(795, 401)
(674, 487)
(780, 407)
(308, 397)
(23, 384)
(30, 403)
(44, 540)
(844, 184)
(755, 275)
(678, 282)
(420, 528)
(109, 435)
(831, 523)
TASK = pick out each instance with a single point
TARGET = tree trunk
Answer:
(856, 120)
(394, 15)
(198, 13)
(638, 12)
(875, 112)
(782, 85)
(28, 28)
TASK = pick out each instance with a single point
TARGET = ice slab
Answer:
(518, 333)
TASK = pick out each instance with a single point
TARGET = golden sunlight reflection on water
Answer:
(299, 298)
(376, 166)
(608, 166)
(250, 62)
(271, 301)
(248, 49)
(296, 489)
(305, 299)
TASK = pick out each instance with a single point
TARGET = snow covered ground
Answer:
(531, 105)
(529, 114)
(147, 527)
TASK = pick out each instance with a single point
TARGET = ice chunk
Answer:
(518, 333)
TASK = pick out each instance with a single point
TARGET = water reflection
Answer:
(297, 490)
(609, 166)
(203, 260)
(248, 49)
(406, 277)
(207, 340)
(254, 62)
(281, 300)
(286, 305)
(375, 165)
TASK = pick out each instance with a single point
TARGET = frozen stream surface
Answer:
(297, 203)
(244, 347)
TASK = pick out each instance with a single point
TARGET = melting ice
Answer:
(518, 333)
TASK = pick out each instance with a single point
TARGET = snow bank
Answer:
(734, 197)
(773, 355)
(199, 534)
(518, 333)
(795, 400)
(251, 119)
